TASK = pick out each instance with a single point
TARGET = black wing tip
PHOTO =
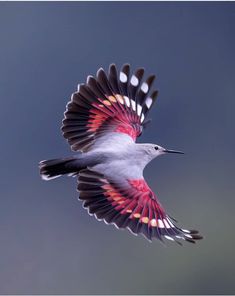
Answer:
(197, 237)
(126, 67)
(150, 79)
(113, 66)
(155, 94)
(192, 235)
(140, 70)
(89, 79)
(100, 71)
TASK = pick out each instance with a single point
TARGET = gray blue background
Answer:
(48, 242)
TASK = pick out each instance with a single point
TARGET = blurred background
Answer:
(48, 242)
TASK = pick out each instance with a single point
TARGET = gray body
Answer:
(118, 156)
(114, 155)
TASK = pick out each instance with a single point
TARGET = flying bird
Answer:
(101, 123)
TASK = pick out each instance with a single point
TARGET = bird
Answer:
(102, 121)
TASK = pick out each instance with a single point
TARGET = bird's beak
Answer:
(173, 151)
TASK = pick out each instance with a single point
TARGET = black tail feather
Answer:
(50, 169)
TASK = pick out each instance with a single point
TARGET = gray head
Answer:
(153, 150)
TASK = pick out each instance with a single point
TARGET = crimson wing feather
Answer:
(131, 205)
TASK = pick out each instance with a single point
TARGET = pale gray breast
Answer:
(120, 157)
(124, 163)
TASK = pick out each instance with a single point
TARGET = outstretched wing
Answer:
(129, 204)
(107, 105)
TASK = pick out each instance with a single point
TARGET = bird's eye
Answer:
(156, 147)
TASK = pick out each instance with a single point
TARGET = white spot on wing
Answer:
(166, 223)
(168, 237)
(185, 230)
(123, 77)
(139, 109)
(178, 236)
(142, 118)
(153, 222)
(134, 80)
(148, 102)
(133, 104)
(160, 223)
(171, 224)
(144, 87)
(127, 101)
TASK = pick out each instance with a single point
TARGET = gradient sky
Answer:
(48, 242)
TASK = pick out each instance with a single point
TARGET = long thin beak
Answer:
(173, 151)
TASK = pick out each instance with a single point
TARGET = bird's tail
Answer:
(53, 168)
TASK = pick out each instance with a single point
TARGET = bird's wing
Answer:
(117, 103)
(129, 204)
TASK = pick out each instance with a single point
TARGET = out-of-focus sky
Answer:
(48, 242)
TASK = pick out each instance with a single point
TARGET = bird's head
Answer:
(160, 150)
(154, 150)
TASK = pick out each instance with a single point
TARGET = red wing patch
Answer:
(108, 105)
(114, 119)
(134, 207)
(140, 185)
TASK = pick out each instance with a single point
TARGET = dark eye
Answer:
(156, 147)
